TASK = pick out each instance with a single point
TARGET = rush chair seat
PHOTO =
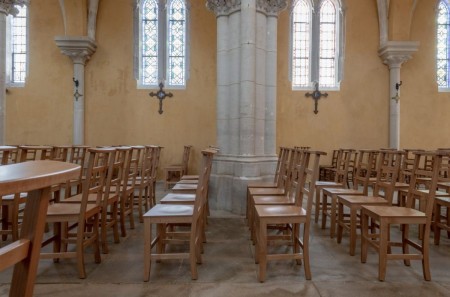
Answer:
(385, 216)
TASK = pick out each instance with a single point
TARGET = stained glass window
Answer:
(301, 30)
(163, 43)
(18, 46)
(443, 43)
(316, 43)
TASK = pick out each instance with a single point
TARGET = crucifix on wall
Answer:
(160, 95)
(316, 95)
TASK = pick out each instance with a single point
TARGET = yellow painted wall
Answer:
(354, 117)
(118, 113)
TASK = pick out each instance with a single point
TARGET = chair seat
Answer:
(361, 200)
(59, 210)
(266, 191)
(328, 184)
(92, 198)
(190, 177)
(399, 185)
(178, 198)
(393, 212)
(184, 187)
(334, 191)
(443, 201)
(170, 211)
(188, 181)
(262, 185)
(264, 200)
(277, 211)
(10, 198)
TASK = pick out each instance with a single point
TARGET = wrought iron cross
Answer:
(160, 95)
(76, 94)
(316, 95)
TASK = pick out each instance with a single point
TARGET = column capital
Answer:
(223, 7)
(271, 7)
(78, 48)
(395, 53)
(8, 6)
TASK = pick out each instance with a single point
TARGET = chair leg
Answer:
(426, 254)
(306, 252)
(262, 254)
(95, 228)
(383, 250)
(405, 245)
(364, 236)
(437, 220)
(324, 210)
(317, 206)
(147, 250)
(333, 216)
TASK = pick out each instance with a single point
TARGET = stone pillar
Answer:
(394, 54)
(79, 49)
(6, 8)
(246, 98)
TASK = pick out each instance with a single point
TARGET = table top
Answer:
(28, 176)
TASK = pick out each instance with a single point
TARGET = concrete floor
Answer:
(228, 269)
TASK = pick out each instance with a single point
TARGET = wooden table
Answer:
(36, 178)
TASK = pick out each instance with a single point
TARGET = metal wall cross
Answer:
(316, 95)
(160, 95)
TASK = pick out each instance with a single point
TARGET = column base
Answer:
(230, 176)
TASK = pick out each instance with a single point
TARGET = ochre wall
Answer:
(117, 112)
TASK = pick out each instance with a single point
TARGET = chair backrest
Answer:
(116, 172)
(308, 175)
(34, 152)
(7, 153)
(281, 158)
(407, 165)
(364, 169)
(286, 170)
(155, 164)
(132, 168)
(60, 153)
(342, 165)
(185, 159)
(388, 169)
(202, 187)
(438, 162)
(100, 163)
(295, 172)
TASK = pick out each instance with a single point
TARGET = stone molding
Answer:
(223, 7)
(8, 6)
(78, 48)
(395, 53)
(271, 7)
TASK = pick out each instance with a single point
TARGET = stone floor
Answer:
(228, 269)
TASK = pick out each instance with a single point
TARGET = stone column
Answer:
(79, 49)
(6, 8)
(394, 54)
(246, 98)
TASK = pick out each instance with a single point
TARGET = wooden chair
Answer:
(163, 215)
(144, 180)
(84, 216)
(388, 169)
(360, 187)
(286, 199)
(340, 180)
(36, 178)
(155, 166)
(109, 200)
(7, 153)
(327, 171)
(292, 215)
(126, 201)
(283, 187)
(11, 204)
(385, 216)
(174, 172)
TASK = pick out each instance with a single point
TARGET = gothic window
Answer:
(443, 46)
(162, 43)
(317, 43)
(17, 47)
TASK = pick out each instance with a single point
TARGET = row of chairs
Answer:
(279, 212)
(421, 182)
(101, 199)
(180, 218)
